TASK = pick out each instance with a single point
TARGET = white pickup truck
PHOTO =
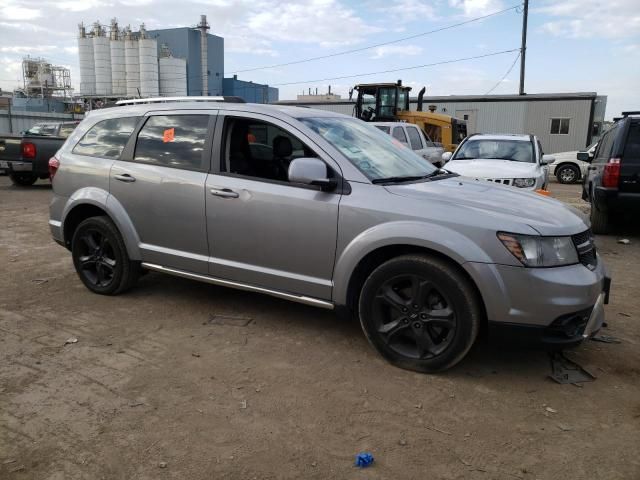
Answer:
(567, 168)
(414, 138)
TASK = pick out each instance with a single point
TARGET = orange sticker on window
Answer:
(169, 135)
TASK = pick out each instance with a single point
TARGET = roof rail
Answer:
(627, 114)
(136, 101)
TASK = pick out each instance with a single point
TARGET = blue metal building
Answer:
(185, 43)
(251, 92)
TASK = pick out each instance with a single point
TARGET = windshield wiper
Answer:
(398, 179)
(435, 173)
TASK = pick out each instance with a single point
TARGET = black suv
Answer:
(612, 183)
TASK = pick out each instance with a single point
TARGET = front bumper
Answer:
(553, 306)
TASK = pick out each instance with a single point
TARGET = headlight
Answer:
(524, 182)
(534, 251)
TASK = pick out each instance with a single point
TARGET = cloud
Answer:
(592, 18)
(405, 11)
(80, 5)
(14, 12)
(396, 50)
(27, 49)
(477, 8)
(325, 22)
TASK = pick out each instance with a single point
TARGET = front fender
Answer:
(103, 200)
(434, 237)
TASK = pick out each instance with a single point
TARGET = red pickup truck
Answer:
(25, 157)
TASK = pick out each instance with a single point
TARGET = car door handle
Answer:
(125, 177)
(224, 192)
(593, 168)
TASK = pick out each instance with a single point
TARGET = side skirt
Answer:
(315, 302)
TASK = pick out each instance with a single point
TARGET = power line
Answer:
(505, 75)
(391, 42)
(398, 69)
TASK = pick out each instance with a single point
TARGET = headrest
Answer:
(282, 146)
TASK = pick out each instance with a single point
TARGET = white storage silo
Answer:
(173, 77)
(87, 63)
(102, 59)
(148, 49)
(118, 81)
(132, 64)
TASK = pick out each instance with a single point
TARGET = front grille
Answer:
(505, 181)
(586, 249)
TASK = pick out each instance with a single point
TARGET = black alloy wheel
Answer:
(414, 317)
(420, 312)
(100, 257)
(96, 258)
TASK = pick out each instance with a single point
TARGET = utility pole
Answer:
(523, 48)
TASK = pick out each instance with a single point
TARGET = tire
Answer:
(23, 179)
(431, 334)
(600, 221)
(568, 173)
(100, 257)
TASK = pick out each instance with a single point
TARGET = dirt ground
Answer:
(218, 383)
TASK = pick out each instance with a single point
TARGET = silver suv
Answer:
(323, 209)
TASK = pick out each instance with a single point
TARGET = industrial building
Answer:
(251, 92)
(562, 121)
(170, 62)
(203, 53)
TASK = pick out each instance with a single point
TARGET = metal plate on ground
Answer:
(564, 370)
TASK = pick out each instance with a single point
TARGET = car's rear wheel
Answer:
(23, 179)
(600, 221)
(568, 174)
(100, 257)
(420, 313)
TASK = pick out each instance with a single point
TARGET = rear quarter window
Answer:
(107, 138)
(631, 152)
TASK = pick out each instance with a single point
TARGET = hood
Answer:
(487, 168)
(495, 205)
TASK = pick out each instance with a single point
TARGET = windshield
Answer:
(375, 154)
(514, 150)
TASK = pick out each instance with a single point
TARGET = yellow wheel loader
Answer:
(388, 102)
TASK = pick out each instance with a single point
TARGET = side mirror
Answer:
(310, 171)
(584, 156)
(446, 156)
(547, 159)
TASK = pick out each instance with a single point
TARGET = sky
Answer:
(572, 45)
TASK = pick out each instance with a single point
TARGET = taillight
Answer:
(28, 150)
(611, 173)
(54, 164)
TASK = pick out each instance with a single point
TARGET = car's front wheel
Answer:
(568, 174)
(420, 313)
(100, 257)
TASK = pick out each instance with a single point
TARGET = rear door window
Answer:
(414, 138)
(106, 138)
(173, 141)
(632, 148)
(398, 134)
